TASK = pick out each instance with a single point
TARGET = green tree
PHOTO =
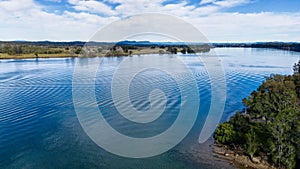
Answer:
(78, 51)
(275, 103)
(283, 151)
(36, 54)
(225, 133)
(270, 123)
(183, 51)
(252, 142)
(274, 95)
(241, 126)
(296, 68)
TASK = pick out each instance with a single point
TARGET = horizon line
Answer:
(145, 41)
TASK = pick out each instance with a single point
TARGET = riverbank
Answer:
(204, 155)
(33, 56)
(27, 50)
(46, 49)
(287, 46)
(239, 159)
(67, 55)
(106, 53)
(219, 156)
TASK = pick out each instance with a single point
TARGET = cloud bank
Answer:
(80, 19)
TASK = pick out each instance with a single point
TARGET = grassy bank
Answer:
(66, 55)
(32, 55)
(25, 50)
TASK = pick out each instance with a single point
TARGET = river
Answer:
(39, 127)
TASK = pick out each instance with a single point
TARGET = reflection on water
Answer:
(39, 128)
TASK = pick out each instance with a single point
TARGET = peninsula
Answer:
(48, 49)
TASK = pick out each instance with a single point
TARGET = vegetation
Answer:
(20, 50)
(292, 46)
(45, 49)
(269, 126)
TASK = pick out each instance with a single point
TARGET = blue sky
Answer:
(218, 20)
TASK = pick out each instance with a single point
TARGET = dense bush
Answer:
(18, 49)
(269, 125)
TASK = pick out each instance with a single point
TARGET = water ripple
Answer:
(39, 128)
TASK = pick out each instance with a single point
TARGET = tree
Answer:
(225, 133)
(274, 95)
(36, 54)
(183, 51)
(276, 101)
(252, 142)
(241, 125)
(271, 122)
(78, 51)
(283, 151)
(296, 68)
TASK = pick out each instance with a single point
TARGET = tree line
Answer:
(290, 46)
(18, 49)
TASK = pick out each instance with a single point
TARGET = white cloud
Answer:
(206, 1)
(231, 3)
(205, 10)
(27, 20)
(226, 3)
(249, 27)
(131, 7)
(32, 23)
(211, 6)
(92, 6)
(15, 5)
(58, 1)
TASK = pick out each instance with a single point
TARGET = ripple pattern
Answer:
(38, 124)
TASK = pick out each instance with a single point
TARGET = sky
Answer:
(218, 20)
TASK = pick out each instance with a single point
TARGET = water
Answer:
(39, 127)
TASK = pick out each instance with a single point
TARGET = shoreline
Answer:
(146, 51)
(203, 155)
(66, 55)
(238, 159)
(31, 56)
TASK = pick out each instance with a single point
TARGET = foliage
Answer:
(225, 133)
(292, 46)
(296, 68)
(18, 49)
(78, 51)
(172, 50)
(252, 142)
(269, 124)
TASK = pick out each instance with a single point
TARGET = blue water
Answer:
(39, 127)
